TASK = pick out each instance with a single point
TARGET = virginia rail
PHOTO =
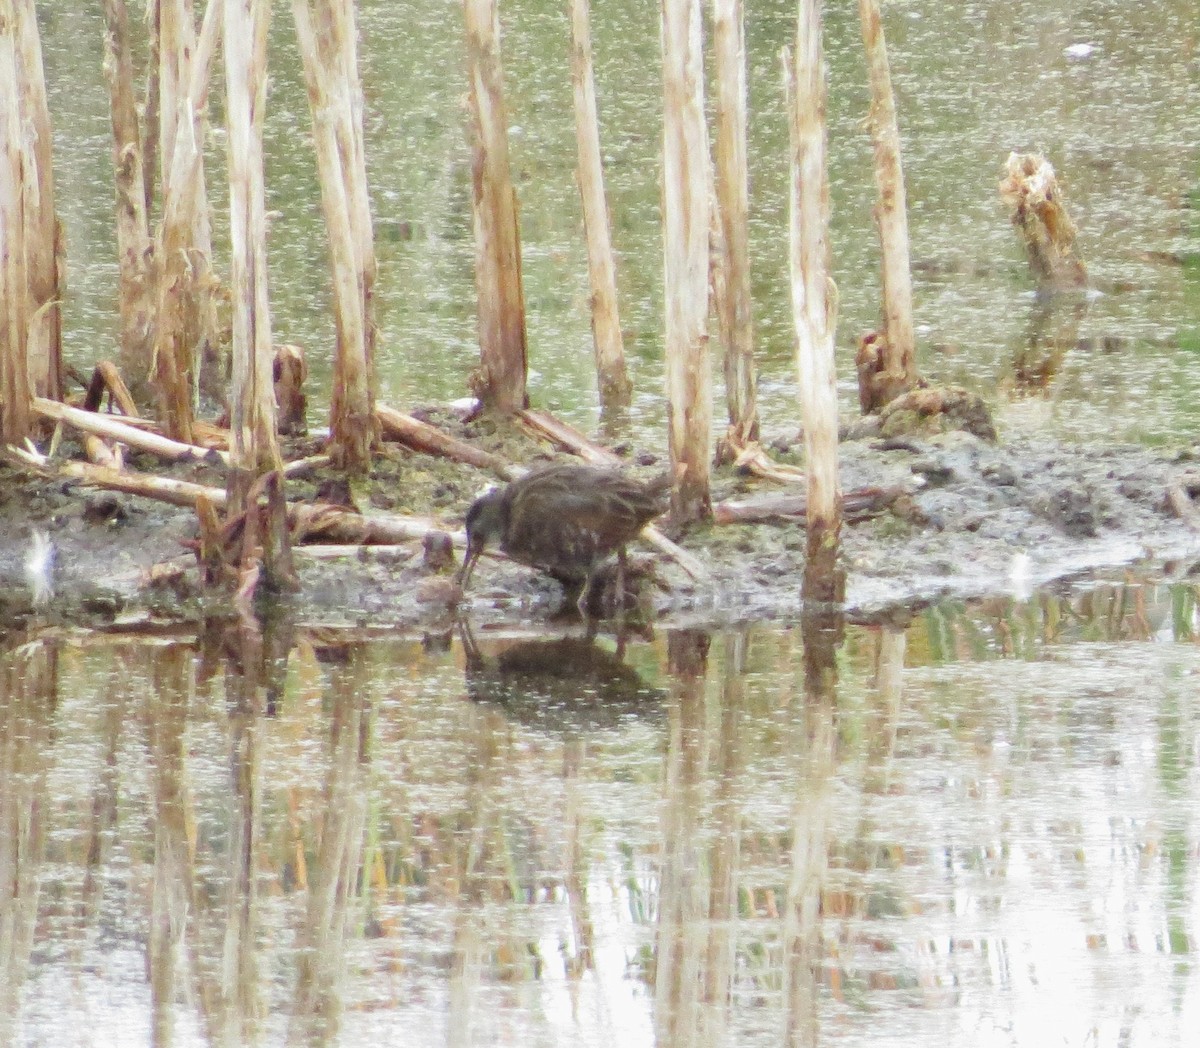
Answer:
(565, 520)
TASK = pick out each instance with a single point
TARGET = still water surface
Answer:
(981, 827)
(1110, 92)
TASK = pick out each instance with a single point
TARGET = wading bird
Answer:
(565, 520)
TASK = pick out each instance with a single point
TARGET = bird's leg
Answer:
(621, 585)
(585, 595)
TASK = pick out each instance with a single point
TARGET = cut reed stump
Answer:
(686, 242)
(327, 35)
(43, 231)
(1030, 191)
(16, 391)
(185, 320)
(290, 372)
(611, 373)
(814, 309)
(137, 301)
(255, 476)
(891, 366)
(731, 276)
(500, 300)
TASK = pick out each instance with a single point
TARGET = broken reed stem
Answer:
(290, 371)
(814, 306)
(16, 410)
(329, 52)
(107, 379)
(136, 298)
(185, 312)
(686, 241)
(43, 234)
(775, 508)
(891, 208)
(1035, 203)
(101, 454)
(306, 519)
(733, 302)
(253, 443)
(299, 467)
(612, 375)
(500, 297)
(547, 427)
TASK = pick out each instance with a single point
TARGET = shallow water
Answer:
(1120, 121)
(979, 827)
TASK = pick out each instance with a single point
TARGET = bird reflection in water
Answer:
(564, 684)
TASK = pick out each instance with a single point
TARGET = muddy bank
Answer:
(976, 519)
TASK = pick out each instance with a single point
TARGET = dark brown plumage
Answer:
(564, 520)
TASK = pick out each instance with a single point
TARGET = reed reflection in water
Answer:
(979, 826)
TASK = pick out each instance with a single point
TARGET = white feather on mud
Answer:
(39, 567)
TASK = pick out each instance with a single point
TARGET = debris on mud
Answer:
(965, 516)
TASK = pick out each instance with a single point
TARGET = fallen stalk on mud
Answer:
(379, 553)
(775, 508)
(752, 458)
(749, 457)
(134, 437)
(306, 519)
(162, 489)
(299, 467)
(421, 436)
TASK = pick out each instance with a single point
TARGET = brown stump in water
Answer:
(290, 371)
(878, 384)
(938, 409)
(1030, 191)
(925, 409)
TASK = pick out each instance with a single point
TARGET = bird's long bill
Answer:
(472, 555)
